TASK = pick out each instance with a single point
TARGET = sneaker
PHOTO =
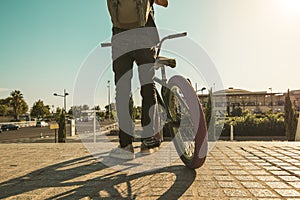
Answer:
(126, 153)
(150, 145)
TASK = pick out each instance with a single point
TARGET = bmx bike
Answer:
(179, 112)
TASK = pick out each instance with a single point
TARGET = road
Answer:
(26, 133)
(33, 134)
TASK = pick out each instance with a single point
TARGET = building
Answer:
(257, 102)
(295, 98)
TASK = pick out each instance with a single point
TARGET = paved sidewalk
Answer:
(233, 170)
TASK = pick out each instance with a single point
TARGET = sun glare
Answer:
(290, 7)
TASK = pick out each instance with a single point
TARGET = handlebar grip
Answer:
(106, 44)
(177, 35)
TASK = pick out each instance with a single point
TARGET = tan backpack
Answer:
(129, 14)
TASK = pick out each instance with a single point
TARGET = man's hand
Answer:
(163, 3)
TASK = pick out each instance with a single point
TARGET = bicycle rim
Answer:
(188, 122)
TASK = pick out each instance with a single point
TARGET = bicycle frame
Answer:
(161, 97)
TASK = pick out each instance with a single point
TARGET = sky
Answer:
(46, 45)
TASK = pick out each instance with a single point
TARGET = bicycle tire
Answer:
(188, 122)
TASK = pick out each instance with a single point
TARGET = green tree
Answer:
(131, 108)
(18, 104)
(290, 118)
(237, 111)
(85, 107)
(100, 115)
(76, 110)
(110, 112)
(97, 108)
(5, 101)
(57, 114)
(39, 109)
(70, 113)
(62, 128)
(138, 111)
(3, 110)
(210, 116)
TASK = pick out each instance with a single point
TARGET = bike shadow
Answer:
(86, 177)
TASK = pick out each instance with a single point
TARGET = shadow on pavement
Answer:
(85, 177)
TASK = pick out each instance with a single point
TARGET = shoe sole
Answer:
(123, 157)
(149, 151)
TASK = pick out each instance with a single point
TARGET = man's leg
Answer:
(145, 59)
(122, 67)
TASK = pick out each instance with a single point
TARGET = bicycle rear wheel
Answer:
(188, 122)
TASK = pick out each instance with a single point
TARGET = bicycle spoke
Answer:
(181, 116)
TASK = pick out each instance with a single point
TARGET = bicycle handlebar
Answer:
(162, 40)
(106, 44)
(177, 35)
(169, 37)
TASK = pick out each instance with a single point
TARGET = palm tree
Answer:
(16, 101)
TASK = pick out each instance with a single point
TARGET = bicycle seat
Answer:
(171, 62)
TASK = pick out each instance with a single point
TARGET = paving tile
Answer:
(224, 178)
(295, 184)
(269, 198)
(246, 163)
(204, 178)
(228, 163)
(278, 173)
(267, 178)
(234, 167)
(238, 172)
(259, 172)
(221, 172)
(252, 185)
(262, 193)
(291, 168)
(207, 184)
(228, 185)
(290, 178)
(217, 167)
(250, 168)
(297, 164)
(245, 178)
(278, 185)
(234, 193)
(210, 193)
(288, 192)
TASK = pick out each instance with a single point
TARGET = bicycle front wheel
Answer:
(188, 122)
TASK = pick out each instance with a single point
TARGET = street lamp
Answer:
(64, 96)
(64, 111)
(202, 89)
(108, 87)
(271, 98)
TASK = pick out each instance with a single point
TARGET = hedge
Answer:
(253, 125)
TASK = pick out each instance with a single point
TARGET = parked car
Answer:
(8, 127)
(41, 124)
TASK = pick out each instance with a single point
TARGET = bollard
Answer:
(41, 135)
(231, 132)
